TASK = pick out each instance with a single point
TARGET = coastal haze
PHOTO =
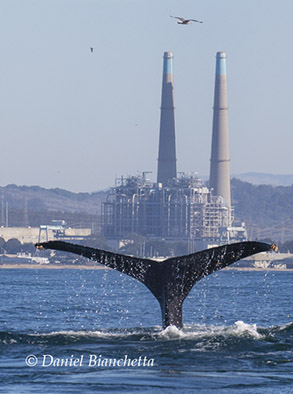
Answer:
(75, 119)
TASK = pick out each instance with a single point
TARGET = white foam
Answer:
(285, 326)
(238, 329)
(98, 334)
(171, 333)
(241, 328)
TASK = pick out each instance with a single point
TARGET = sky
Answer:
(75, 120)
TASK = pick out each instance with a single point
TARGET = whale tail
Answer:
(171, 280)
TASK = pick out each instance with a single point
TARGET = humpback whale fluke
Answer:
(171, 280)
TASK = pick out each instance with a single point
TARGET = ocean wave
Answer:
(239, 330)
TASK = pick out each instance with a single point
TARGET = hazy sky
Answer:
(74, 119)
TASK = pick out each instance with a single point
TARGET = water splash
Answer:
(217, 334)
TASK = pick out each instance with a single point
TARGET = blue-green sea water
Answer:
(237, 338)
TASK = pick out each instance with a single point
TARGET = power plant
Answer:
(178, 207)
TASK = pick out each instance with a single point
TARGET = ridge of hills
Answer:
(39, 198)
(267, 210)
(260, 178)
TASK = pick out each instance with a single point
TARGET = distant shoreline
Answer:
(100, 267)
(53, 266)
(257, 269)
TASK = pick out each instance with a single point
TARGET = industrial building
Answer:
(55, 230)
(178, 208)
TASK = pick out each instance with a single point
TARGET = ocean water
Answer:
(84, 331)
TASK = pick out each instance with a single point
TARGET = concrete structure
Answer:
(220, 159)
(31, 234)
(167, 146)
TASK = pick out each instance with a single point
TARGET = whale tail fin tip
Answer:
(274, 247)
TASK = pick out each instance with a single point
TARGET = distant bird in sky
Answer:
(185, 21)
(92, 49)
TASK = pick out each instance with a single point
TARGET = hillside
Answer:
(266, 210)
(50, 199)
(259, 178)
(43, 205)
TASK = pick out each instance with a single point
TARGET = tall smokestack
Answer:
(167, 147)
(220, 160)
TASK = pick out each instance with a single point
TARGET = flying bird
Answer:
(185, 21)
(92, 49)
